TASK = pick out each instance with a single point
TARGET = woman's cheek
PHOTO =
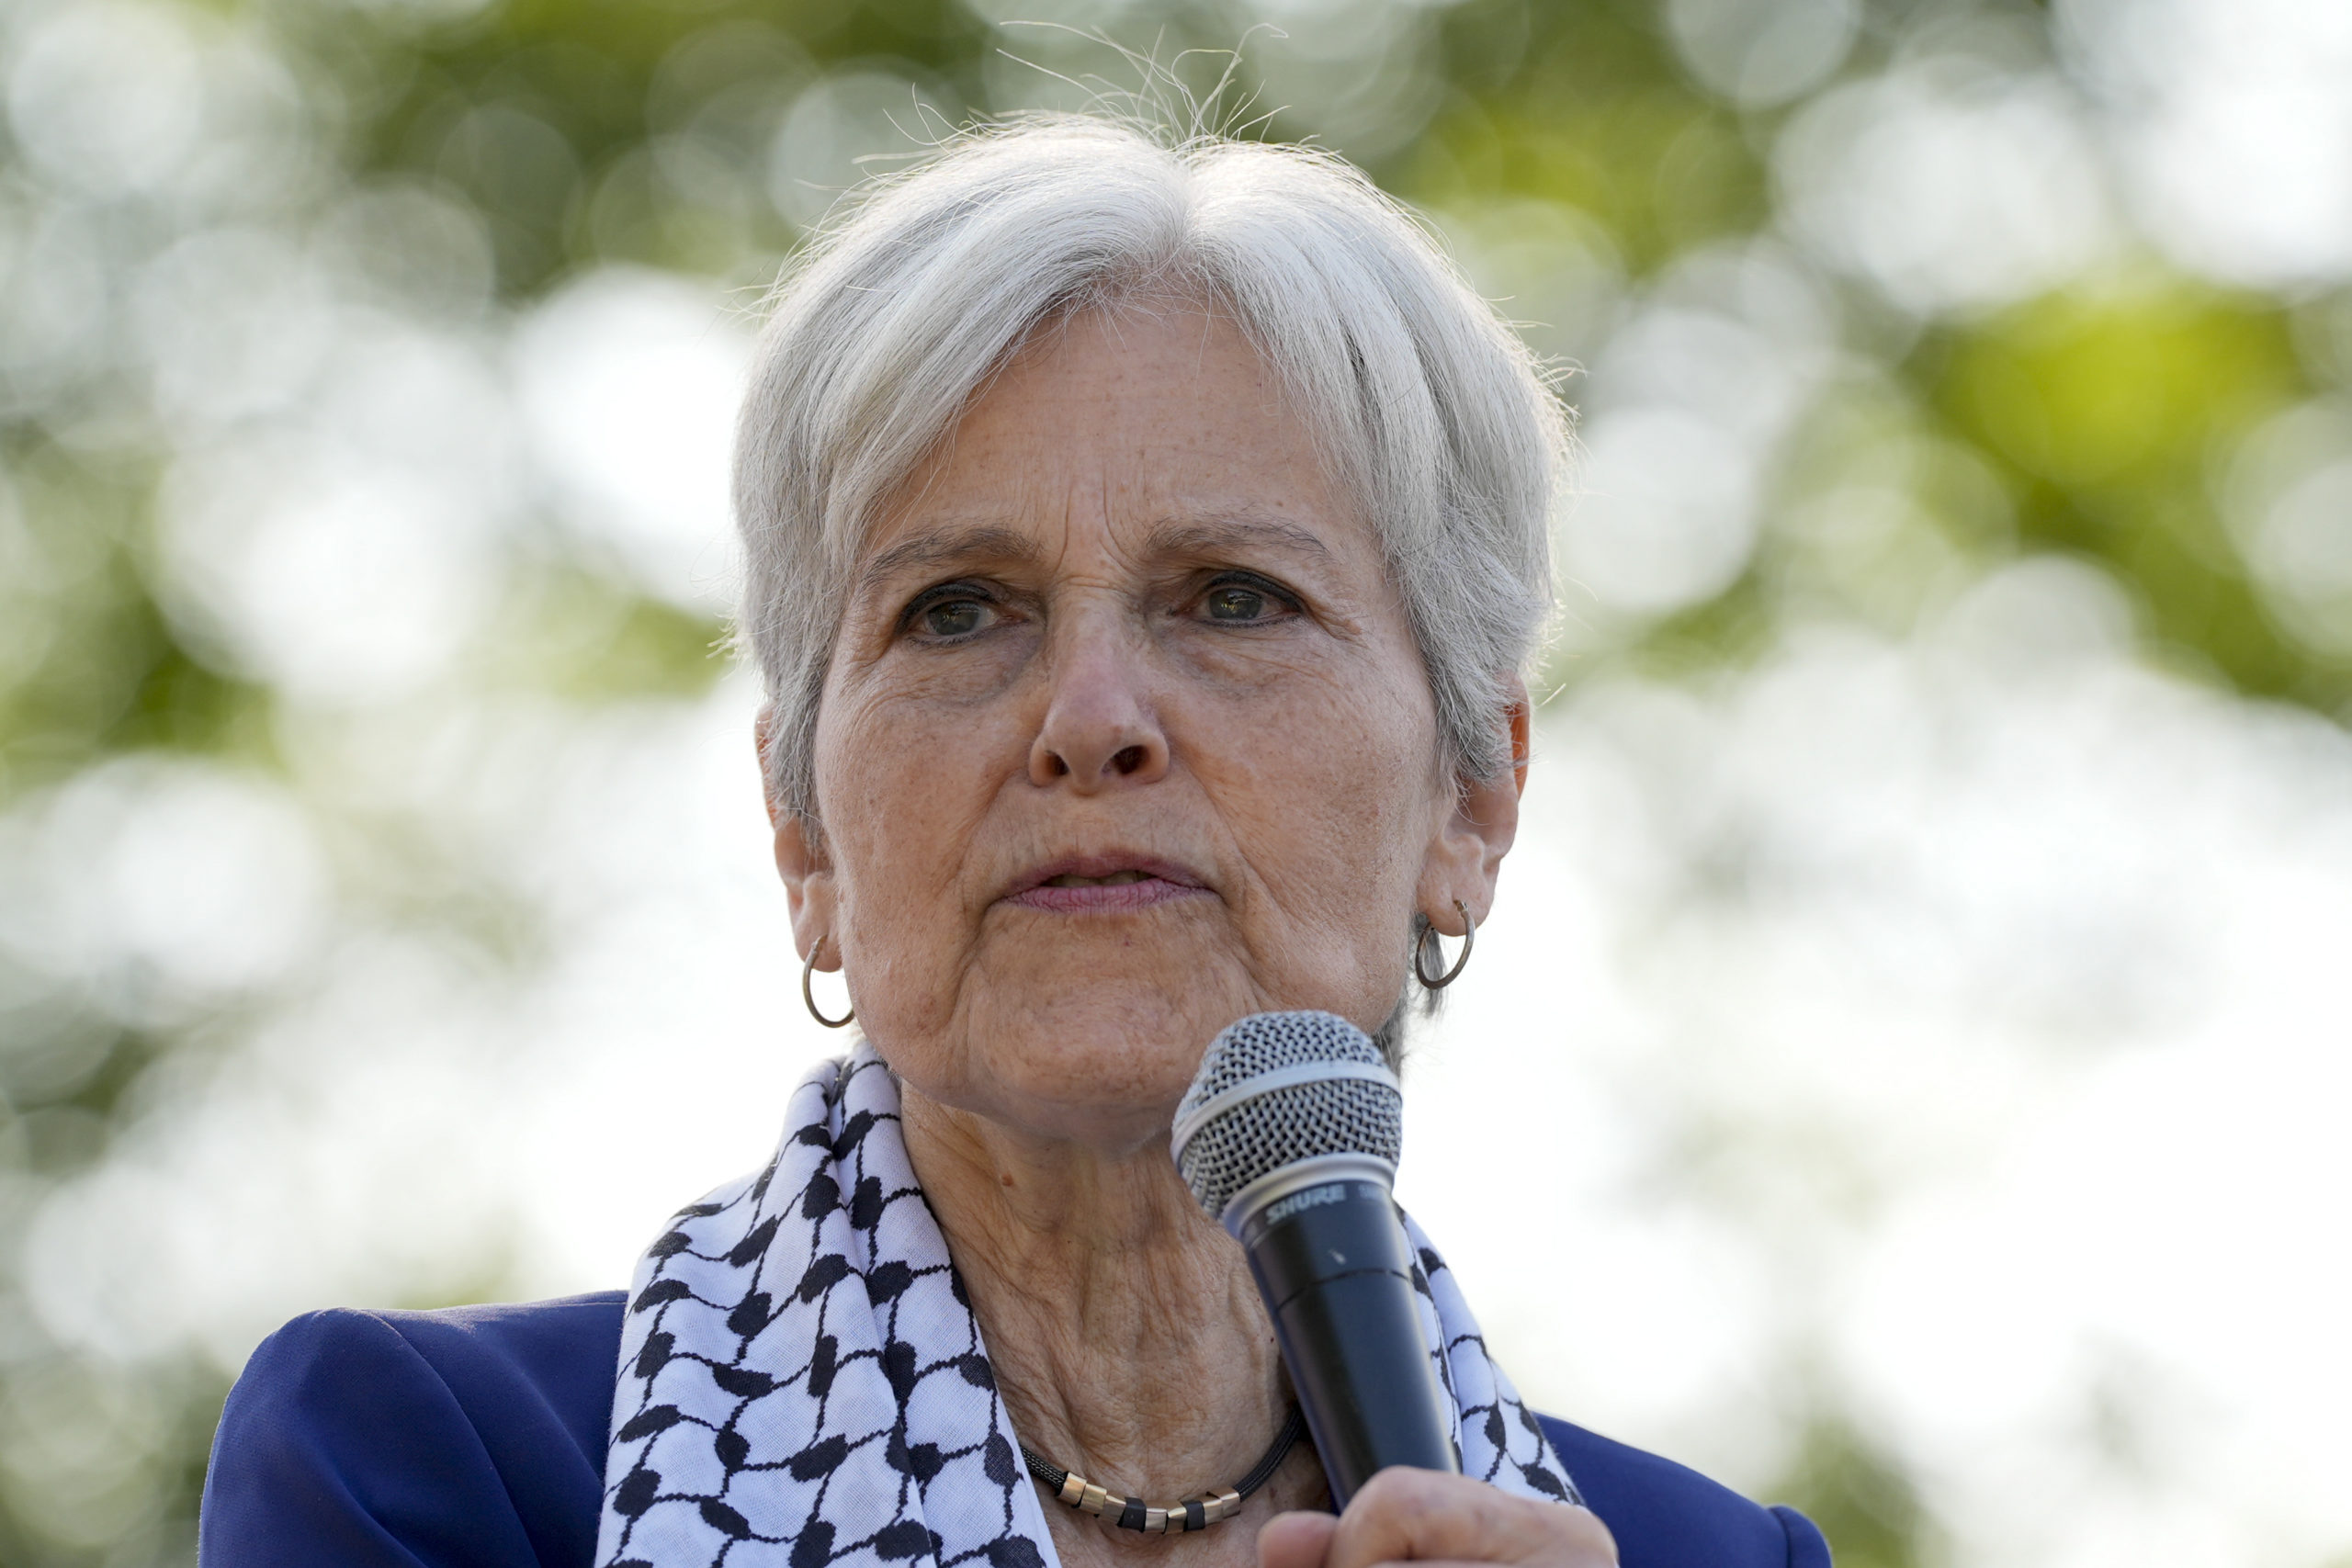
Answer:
(1347, 776)
(872, 869)
(956, 679)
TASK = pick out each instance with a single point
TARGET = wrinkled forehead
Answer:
(1141, 425)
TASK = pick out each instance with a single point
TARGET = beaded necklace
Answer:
(1163, 1518)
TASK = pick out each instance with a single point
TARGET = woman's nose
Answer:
(1100, 729)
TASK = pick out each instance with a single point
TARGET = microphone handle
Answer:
(1336, 1274)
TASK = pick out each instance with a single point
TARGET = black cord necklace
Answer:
(1155, 1518)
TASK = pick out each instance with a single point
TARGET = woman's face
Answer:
(1125, 737)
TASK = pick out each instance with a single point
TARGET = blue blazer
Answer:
(474, 1437)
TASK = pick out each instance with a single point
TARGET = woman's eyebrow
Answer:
(1225, 535)
(948, 545)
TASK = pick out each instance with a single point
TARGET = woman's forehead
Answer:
(1165, 430)
(1116, 390)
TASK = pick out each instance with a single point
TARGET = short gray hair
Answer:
(1430, 409)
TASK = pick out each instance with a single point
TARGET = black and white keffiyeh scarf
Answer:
(802, 1382)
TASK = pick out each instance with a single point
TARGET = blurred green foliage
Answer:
(2104, 408)
(1583, 105)
(581, 133)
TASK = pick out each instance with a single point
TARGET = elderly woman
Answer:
(1144, 545)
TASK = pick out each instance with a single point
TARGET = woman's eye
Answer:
(1236, 601)
(953, 617)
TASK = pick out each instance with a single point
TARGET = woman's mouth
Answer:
(1068, 890)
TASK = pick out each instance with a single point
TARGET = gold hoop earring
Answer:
(1429, 934)
(808, 991)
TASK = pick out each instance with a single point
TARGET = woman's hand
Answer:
(1422, 1515)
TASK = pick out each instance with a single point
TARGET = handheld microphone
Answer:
(1289, 1138)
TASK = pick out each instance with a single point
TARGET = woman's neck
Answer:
(1127, 1333)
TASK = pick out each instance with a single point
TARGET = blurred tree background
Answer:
(344, 466)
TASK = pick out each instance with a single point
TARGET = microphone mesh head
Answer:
(1267, 1131)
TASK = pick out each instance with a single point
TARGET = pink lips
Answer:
(1142, 883)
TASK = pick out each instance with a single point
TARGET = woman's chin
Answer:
(1102, 1065)
(1138, 986)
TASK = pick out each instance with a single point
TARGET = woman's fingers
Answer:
(1295, 1540)
(1422, 1515)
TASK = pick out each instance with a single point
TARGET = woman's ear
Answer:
(800, 860)
(807, 876)
(763, 727)
(1467, 856)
